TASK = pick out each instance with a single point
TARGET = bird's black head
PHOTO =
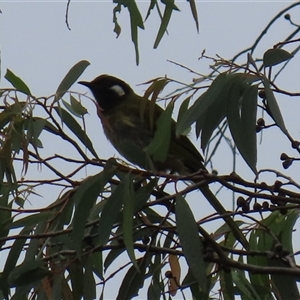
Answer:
(108, 91)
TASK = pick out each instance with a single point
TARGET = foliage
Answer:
(66, 249)
(164, 9)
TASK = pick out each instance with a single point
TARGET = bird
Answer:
(129, 123)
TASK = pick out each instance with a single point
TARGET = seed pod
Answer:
(262, 94)
(287, 163)
(257, 206)
(265, 205)
(261, 122)
(284, 156)
(169, 274)
(240, 202)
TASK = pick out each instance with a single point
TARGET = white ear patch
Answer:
(118, 89)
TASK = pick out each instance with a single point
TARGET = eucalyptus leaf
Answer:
(275, 56)
(190, 241)
(241, 116)
(70, 78)
(182, 110)
(75, 107)
(169, 7)
(133, 280)
(89, 284)
(200, 106)
(272, 106)
(127, 222)
(76, 276)
(28, 272)
(76, 129)
(194, 12)
(17, 82)
(110, 212)
(85, 198)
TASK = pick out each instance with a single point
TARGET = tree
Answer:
(63, 250)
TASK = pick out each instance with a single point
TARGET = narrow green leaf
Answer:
(275, 56)
(133, 280)
(274, 221)
(127, 224)
(182, 110)
(134, 13)
(263, 241)
(110, 212)
(143, 194)
(194, 12)
(273, 106)
(137, 236)
(134, 38)
(34, 245)
(15, 251)
(97, 262)
(37, 127)
(192, 283)
(65, 214)
(71, 77)
(158, 84)
(287, 229)
(248, 124)
(244, 286)
(136, 21)
(190, 241)
(48, 126)
(28, 272)
(169, 239)
(258, 241)
(17, 82)
(34, 128)
(199, 108)
(156, 288)
(85, 197)
(286, 286)
(5, 215)
(151, 6)
(241, 116)
(6, 116)
(89, 284)
(77, 106)
(17, 136)
(226, 283)
(31, 220)
(170, 6)
(76, 129)
(76, 276)
(111, 257)
(58, 282)
(214, 115)
(159, 147)
(69, 108)
(153, 90)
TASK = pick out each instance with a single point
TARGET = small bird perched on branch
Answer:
(130, 122)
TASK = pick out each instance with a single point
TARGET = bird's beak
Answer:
(85, 83)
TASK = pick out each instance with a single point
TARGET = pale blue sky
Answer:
(37, 46)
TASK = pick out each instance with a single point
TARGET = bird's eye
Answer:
(118, 89)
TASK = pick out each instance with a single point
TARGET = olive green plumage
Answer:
(126, 121)
(128, 125)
